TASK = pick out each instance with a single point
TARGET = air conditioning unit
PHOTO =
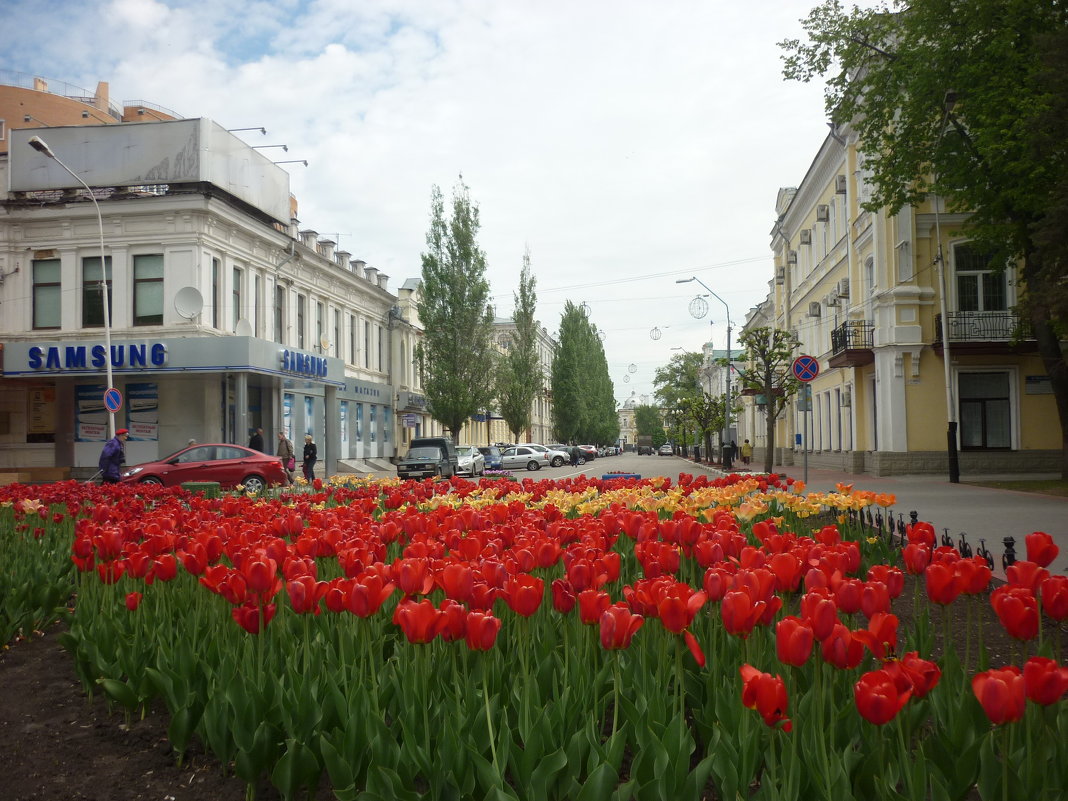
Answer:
(806, 236)
(780, 274)
(839, 184)
(823, 213)
(832, 300)
(814, 309)
(791, 257)
(843, 288)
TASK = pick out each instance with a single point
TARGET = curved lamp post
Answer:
(38, 144)
(727, 406)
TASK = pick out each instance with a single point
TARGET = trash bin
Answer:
(726, 456)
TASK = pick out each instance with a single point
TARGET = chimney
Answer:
(326, 248)
(294, 227)
(357, 266)
(371, 273)
(309, 238)
(342, 258)
(103, 96)
(383, 280)
(40, 85)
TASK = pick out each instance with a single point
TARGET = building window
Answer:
(279, 318)
(978, 287)
(337, 332)
(319, 313)
(47, 293)
(235, 296)
(352, 339)
(301, 300)
(366, 344)
(254, 309)
(215, 299)
(92, 300)
(148, 289)
(984, 411)
(380, 343)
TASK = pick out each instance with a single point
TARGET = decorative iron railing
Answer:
(853, 335)
(982, 326)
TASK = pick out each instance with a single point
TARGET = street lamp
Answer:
(38, 144)
(727, 410)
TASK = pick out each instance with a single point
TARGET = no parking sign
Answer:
(805, 368)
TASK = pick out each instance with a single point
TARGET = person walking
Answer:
(286, 456)
(311, 455)
(256, 440)
(113, 456)
(747, 452)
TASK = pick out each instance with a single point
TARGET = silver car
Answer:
(523, 456)
(471, 461)
(556, 457)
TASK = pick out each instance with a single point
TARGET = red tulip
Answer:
(716, 583)
(1054, 593)
(523, 593)
(920, 674)
(1044, 680)
(842, 649)
(889, 575)
(252, 617)
(110, 572)
(1026, 574)
(943, 586)
(740, 613)
(1001, 694)
(563, 596)
(793, 641)
(368, 593)
(1041, 549)
(421, 622)
(821, 612)
(482, 630)
(591, 604)
(458, 581)
(974, 575)
(260, 574)
(881, 635)
(878, 697)
(1017, 609)
(133, 600)
(695, 648)
(677, 607)
(787, 570)
(766, 694)
(916, 557)
(453, 620)
(305, 594)
(618, 626)
(413, 576)
(921, 533)
(874, 598)
(847, 595)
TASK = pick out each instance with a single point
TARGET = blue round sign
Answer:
(805, 368)
(112, 400)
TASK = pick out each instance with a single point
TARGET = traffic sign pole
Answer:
(805, 369)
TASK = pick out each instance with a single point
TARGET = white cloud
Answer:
(627, 143)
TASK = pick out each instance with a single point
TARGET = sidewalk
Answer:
(982, 513)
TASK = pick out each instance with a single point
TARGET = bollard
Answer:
(946, 539)
(1010, 552)
(983, 552)
(963, 547)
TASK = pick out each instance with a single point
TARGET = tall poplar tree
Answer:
(519, 378)
(584, 406)
(455, 355)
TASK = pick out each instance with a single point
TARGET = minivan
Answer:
(450, 461)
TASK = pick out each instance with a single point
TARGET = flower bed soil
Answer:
(57, 744)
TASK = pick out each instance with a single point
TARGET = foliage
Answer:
(455, 355)
(967, 100)
(584, 407)
(769, 354)
(519, 379)
(708, 414)
(649, 423)
(678, 380)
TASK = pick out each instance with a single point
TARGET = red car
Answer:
(227, 464)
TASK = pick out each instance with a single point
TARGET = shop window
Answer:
(371, 422)
(92, 291)
(47, 293)
(148, 289)
(985, 411)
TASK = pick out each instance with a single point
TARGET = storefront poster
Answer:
(287, 416)
(42, 417)
(142, 411)
(90, 416)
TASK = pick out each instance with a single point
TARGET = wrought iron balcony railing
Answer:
(983, 326)
(853, 335)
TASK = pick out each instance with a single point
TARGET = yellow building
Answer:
(862, 291)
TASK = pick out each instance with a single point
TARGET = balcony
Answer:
(985, 332)
(852, 343)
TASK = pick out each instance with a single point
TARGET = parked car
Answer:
(470, 460)
(645, 450)
(589, 451)
(557, 456)
(447, 448)
(492, 455)
(666, 449)
(227, 464)
(425, 461)
(522, 456)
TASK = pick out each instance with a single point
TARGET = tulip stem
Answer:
(489, 719)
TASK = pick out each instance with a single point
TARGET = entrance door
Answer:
(985, 411)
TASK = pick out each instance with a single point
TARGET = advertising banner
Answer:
(90, 416)
(142, 411)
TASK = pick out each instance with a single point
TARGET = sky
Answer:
(625, 144)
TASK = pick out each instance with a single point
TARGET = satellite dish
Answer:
(324, 343)
(243, 328)
(188, 302)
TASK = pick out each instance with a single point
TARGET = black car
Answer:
(425, 461)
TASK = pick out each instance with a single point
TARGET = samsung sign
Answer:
(83, 357)
(303, 364)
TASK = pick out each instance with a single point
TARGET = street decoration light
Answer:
(727, 405)
(38, 144)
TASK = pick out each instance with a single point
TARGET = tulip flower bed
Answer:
(575, 639)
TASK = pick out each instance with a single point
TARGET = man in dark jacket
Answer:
(113, 457)
(256, 440)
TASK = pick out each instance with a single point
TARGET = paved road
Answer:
(982, 513)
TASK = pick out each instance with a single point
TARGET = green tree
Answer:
(455, 355)
(769, 355)
(967, 99)
(648, 423)
(708, 416)
(519, 377)
(584, 407)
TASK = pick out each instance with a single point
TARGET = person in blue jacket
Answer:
(113, 457)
